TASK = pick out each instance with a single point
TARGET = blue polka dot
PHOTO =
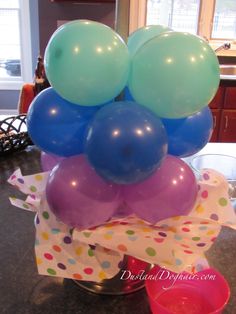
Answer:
(106, 264)
(55, 230)
(132, 238)
(202, 228)
(71, 261)
(199, 267)
(110, 232)
(177, 237)
(178, 262)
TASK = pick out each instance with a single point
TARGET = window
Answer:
(215, 20)
(15, 44)
(180, 15)
(224, 23)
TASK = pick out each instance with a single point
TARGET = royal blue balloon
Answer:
(127, 95)
(125, 142)
(57, 126)
(189, 135)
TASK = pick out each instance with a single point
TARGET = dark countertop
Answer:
(23, 291)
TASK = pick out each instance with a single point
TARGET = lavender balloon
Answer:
(78, 196)
(170, 191)
(49, 161)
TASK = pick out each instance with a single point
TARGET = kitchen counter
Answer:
(23, 291)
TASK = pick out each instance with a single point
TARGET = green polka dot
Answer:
(130, 232)
(196, 238)
(33, 188)
(87, 234)
(51, 271)
(223, 201)
(45, 215)
(150, 251)
(90, 252)
(25, 206)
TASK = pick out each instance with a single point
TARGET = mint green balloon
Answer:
(175, 75)
(143, 34)
(87, 62)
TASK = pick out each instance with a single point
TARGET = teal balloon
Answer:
(143, 34)
(87, 63)
(174, 74)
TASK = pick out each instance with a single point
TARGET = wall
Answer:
(50, 13)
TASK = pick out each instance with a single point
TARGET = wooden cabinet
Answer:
(216, 113)
(227, 132)
(223, 108)
(218, 101)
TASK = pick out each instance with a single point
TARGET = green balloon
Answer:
(175, 74)
(143, 34)
(87, 63)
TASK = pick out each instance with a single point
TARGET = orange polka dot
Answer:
(77, 276)
(56, 248)
(145, 229)
(167, 263)
(79, 250)
(102, 275)
(176, 218)
(38, 177)
(211, 232)
(107, 236)
(172, 229)
(200, 209)
(122, 247)
(45, 235)
(38, 261)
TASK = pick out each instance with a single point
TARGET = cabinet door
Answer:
(218, 100)
(216, 124)
(230, 98)
(228, 126)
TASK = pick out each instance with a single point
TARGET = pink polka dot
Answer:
(48, 256)
(159, 240)
(88, 270)
(188, 252)
(204, 194)
(185, 229)
(185, 246)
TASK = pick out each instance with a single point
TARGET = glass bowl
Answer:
(224, 164)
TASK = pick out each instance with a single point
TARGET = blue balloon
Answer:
(57, 126)
(127, 95)
(189, 135)
(125, 142)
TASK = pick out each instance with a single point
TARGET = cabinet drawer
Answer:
(228, 126)
(216, 113)
(230, 98)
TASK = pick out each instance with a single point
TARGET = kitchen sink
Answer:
(228, 69)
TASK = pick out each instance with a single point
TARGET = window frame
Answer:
(138, 11)
(15, 83)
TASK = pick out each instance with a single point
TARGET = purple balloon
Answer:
(78, 196)
(170, 191)
(49, 161)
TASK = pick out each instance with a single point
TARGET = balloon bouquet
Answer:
(105, 153)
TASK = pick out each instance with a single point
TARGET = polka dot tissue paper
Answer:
(94, 254)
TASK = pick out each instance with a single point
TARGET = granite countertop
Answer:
(23, 291)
